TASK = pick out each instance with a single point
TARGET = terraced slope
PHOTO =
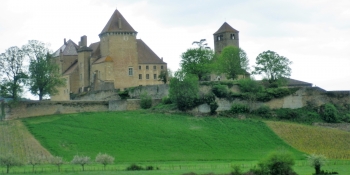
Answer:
(15, 139)
(332, 143)
(143, 136)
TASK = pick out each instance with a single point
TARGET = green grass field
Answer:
(140, 136)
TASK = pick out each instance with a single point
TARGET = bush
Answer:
(145, 101)
(220, 91)
(134, 167)
(249, 85)
(286, 114)
(124, 94)
(329, 113)
(263, 111)
(166, 100)
(277, 163)
(213, 106)
(237, 108)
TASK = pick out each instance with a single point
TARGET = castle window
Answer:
(147, 76)
(154, 67)
(161, 67)
(219, 37)
(232, 36)
(155, 76)
(140, 76)
(130, 71)
(147, 67)
(139, 67)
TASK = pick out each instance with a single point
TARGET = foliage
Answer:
(220, 91)
(272, 65)
(329, 113)
(212, 83)
(213, 106)
(58, 161)
(9, 160)
(249, 85)
(316, 161)
(124, 94)
(191, 137)
(145, 101)
(2, 114)
(44, 72)
(236, 170)
(134, 167)
(232, 61)
(166, 100)
(184, 90)
(197, 61)
(35, 160)
(165, 76)
(81, 160)
(277, 163)
(238, 108)
(263, 111)
(104, 159)
(319, 140)
(12, 69)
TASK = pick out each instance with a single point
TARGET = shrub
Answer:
(213, 106)
(236, 170)
(104, 159)
(149, 168)
(145, 101)
(263, 111)
(329, 113)
(237, 108)
(134, 167)
(220, 91)
(249, 85)
(286, 114)
(166, 100)
(81, 160)
(124, 94)
(277, 163)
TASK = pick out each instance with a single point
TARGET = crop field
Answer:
(333, 143)
(140, 136)
(15, 139)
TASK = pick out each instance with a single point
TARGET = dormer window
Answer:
(233, 36)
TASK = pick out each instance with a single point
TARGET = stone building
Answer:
(119, 60)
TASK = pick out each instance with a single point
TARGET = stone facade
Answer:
(119, 60)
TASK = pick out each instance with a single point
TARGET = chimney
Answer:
(83, 41)
(120, 23)
(65, 42)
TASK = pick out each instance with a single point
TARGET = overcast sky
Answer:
(314, 35)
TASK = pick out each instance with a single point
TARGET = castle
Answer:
(117, 61)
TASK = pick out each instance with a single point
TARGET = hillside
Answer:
(143, 136)
(332, 143)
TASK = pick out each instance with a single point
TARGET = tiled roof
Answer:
(95, 49)
(146, 55)
(293, 82)
(72, 68)
(70, 48)
(113, 24)
(226, 28)
(104, 59)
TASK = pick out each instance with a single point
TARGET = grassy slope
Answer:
(15, 139)
(332, 143)
(142, 136)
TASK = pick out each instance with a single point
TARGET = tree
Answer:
(35, 160)
(14, 76)
(277, 163)
(104, 159)
(272, 65)
(232, 61)
(44, 72)
(317, 161)
(81, 160)
(58, 161)
(184, 90)
(9, 161)
(197, 61)
(165, 76)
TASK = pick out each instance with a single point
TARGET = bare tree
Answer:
(104, 159)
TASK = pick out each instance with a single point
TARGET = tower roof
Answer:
(117, 23)
(225, 28)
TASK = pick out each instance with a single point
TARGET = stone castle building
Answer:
(119, 60)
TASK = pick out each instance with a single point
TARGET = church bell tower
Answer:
(225, 36)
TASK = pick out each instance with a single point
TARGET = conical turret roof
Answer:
(225, 28)
(117, 23)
